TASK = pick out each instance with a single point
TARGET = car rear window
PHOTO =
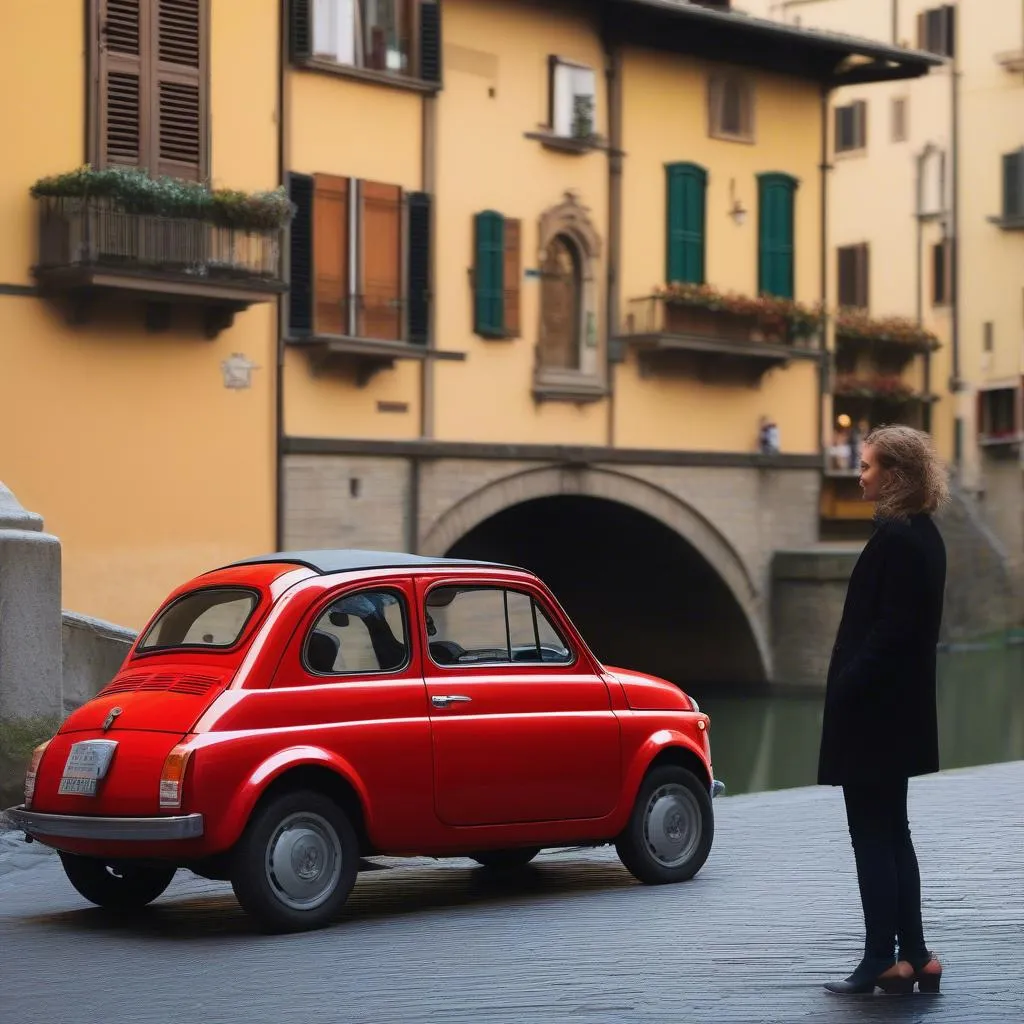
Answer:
(203, 618)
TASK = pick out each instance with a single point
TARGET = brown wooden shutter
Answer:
(847, 276)
(513, 272)
(331, 301)
(863, 275)
(381, 278)
(179, 90)
(122, 47)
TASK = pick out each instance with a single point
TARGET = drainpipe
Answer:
(613, 78)
(956, 384)
(823, 366)
(919, 310)
(282, 325)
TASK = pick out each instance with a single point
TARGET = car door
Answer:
(521, 724)
(350, 682)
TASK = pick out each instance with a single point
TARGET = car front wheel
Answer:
(296, 862)
(122, 887)
(669, 834)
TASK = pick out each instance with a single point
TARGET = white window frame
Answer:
(569, 80)
(339, 35)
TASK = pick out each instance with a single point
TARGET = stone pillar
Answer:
(31, 687)
(808, 593)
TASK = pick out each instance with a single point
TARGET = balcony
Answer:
(365, 334)
(91, 247)
(716, 338)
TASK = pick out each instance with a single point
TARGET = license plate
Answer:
(86, 765)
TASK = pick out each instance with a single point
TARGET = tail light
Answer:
(32, 771)
(172, 778)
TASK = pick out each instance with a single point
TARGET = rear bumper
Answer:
(75, 826)
(717, 788)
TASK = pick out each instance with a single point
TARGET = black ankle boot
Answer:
(897, 979)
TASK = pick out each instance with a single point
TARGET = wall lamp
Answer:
(737, 210)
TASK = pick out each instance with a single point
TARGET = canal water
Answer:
(763, 742)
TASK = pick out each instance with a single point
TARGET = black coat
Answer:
(880, 719)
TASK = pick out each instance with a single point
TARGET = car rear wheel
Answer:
(296, 862)
(122, 887)
(506, 860)
(670, 831)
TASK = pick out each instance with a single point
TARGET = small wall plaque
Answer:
(237, 370)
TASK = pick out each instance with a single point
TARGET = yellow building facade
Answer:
(926, 211)
(538, 252)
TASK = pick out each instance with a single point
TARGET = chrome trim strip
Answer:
(717, 788)
(75, 826)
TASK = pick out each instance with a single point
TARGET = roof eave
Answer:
(880, 71)
(827, 50)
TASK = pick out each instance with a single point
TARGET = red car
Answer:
(284, 717)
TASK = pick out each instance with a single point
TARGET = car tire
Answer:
(124, 887)
(671, 828)
(506, 860)
(296, 862)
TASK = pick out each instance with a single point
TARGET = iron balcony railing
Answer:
(92, 233)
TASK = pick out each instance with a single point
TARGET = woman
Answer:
(880, 725)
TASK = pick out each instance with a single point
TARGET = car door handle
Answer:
(455, 698)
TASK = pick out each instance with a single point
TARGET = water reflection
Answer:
(764, 742)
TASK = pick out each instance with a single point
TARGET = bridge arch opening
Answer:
(642, 596)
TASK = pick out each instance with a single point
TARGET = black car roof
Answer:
(354, 560)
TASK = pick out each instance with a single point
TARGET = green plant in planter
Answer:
(130, 190)
(583, 116)
(775, 316)
(856, 325)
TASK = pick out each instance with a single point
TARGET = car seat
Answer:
(322, 651)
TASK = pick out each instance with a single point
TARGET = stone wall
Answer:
(808, 591)
(1001, 502)
(983, 593)
(92, 653)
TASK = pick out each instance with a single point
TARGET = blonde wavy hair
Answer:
(918, 481)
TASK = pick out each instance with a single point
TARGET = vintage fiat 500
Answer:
(281, 719)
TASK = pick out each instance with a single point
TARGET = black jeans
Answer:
(887, 873)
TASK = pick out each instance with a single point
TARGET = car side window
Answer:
(490, 625)
(358, 634)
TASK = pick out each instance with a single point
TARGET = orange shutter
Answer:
(381, 277)
(179, 83)
(513, 271)
(330, 254)
(122, 38)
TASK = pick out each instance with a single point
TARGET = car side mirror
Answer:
(339, 619)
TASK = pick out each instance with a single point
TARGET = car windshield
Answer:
(203, 618)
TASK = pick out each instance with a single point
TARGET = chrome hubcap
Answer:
(303, 862)
(672, 825)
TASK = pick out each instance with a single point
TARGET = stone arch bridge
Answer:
(663, 560)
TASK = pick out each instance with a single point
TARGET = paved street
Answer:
(773, 914)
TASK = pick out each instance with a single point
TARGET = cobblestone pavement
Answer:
(773, 914)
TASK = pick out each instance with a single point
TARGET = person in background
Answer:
(768, 437)
(858, 432)
(880, 723)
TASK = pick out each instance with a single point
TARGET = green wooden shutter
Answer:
(489, 283)
(687, 190)
(775, 276)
